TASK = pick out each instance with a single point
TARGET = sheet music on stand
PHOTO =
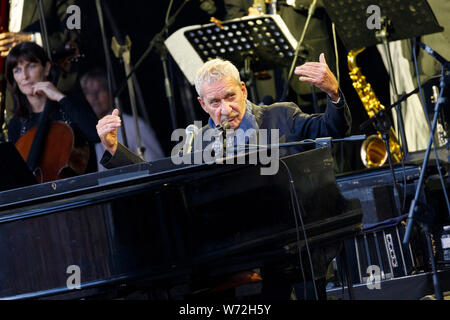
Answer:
(266, 38)
(408, 19)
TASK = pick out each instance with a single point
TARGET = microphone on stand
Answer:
(225, 125)
(191, 130)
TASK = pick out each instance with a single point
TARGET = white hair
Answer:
(215, 70)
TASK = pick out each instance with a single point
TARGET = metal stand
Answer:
(414, 208)
(382, 123)
(312, 7)
(154, 42)
(109, 69)
(123, 51)
(162, 50)
(251, 43)
(385, 136)
(383, 36)
(249, 78)
(43, 26)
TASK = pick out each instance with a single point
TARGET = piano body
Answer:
(158, 225)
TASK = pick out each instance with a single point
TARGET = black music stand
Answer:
(250, 43)
(14, 172)
(408, 19)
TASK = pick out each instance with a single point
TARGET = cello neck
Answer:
(41, 132)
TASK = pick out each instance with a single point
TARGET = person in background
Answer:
(95, 88)
(23, 25)
(29, 75)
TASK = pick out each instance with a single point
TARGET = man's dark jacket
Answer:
(287, 117)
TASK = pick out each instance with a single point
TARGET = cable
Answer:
(109, 69)
(305, 295)
(400, 127)
(336, 54)
(422, 100)
(292, 188)
(166, 20)
(297, 50)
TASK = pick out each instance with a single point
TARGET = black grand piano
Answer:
(159, 225)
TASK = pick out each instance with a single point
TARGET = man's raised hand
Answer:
(320, 75)
(107, 130)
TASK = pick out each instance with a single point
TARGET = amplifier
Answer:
(375, 190)
(382, 254)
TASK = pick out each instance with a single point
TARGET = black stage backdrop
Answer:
(141, 20)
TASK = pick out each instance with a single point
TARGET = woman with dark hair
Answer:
(29, 74)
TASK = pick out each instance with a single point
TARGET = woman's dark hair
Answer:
(31, 52)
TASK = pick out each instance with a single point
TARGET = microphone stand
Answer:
(318, 142)
(157, 38)
(414, 208)
(312, 7)
(383, 35)
(43, 25)
(121, 48)
(109, 70)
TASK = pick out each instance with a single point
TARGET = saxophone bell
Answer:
(373, 152)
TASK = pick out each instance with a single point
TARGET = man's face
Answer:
(224, 100)
(98, 97)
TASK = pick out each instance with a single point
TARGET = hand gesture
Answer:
(320, 75)
(48, 89)
(107, 130)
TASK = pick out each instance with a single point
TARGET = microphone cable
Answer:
(297, 211)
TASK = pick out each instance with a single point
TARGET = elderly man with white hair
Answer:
(223, 95)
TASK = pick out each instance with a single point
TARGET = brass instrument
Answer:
(373, 149)
(3, 128)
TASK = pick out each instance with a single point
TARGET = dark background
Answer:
(142, 20)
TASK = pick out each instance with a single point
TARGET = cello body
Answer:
(59, 157)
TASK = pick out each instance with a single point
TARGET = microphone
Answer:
(191, 130)
(208, 6)
(225, 125)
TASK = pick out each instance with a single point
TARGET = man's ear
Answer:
(244, 90)
(202, 103)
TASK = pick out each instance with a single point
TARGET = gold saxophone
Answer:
(373, 149)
